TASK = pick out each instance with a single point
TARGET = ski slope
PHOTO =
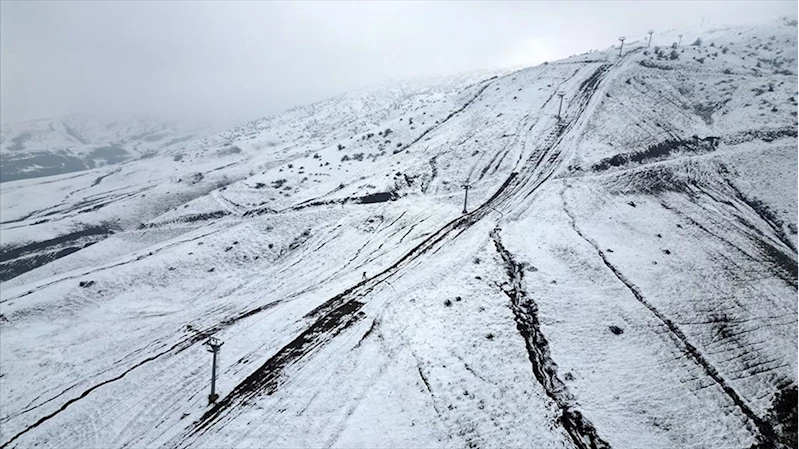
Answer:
(625, 275)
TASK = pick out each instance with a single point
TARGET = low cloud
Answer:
(235, 61)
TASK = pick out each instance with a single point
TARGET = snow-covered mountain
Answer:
(75, 143)
(625, 274)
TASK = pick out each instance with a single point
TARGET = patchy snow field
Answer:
(625, 275)
(72, 144)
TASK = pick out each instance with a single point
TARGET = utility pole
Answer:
(621, 39)
(466, 196)
(560, 94)
(650, 38)
(679, 42)
(214, 345)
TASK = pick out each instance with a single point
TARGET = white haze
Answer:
(236, 61)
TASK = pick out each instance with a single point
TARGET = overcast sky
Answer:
(236, 61)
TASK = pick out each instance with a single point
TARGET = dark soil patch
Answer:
(659, 151)
(380, 197)
(189, 218)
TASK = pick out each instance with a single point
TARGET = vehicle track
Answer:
(545, 370)
(343, 310)
(763, 430)
(338, 313)
(446, 119)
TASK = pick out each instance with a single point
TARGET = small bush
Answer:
(447, 303)
(727, 72)
(697, 42)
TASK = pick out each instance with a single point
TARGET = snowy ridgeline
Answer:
(50, 147)
(625, 276)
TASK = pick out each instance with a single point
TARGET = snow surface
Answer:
(625, 275)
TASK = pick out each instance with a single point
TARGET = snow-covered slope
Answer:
(63, 145)
(624, 276)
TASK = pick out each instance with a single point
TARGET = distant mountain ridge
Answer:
(61, 145)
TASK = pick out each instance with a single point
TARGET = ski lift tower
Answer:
(213, 345)
(466, 187)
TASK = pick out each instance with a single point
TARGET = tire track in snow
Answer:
(758, 208)
(523, 124)
(266, 377)
(763, 430)
(226, 204)
(176, 348)
(545, 370)
(452, 114)
(69, 276)
(96, 182)
(340, 312)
